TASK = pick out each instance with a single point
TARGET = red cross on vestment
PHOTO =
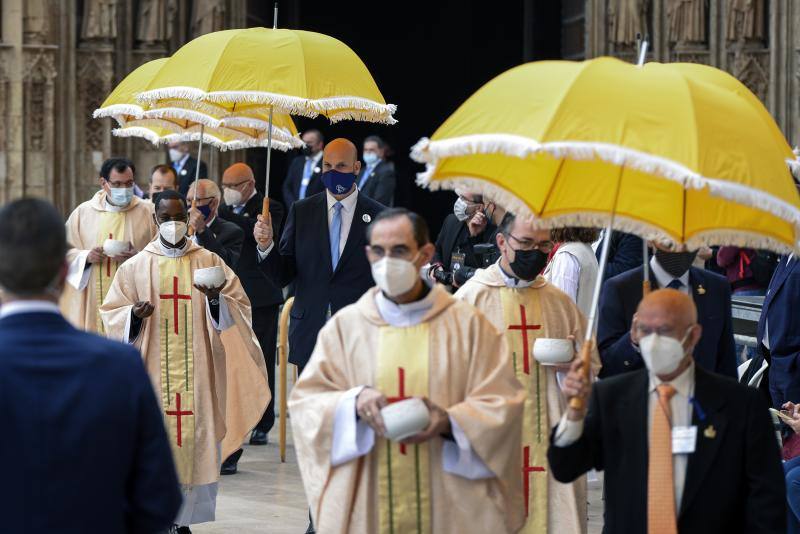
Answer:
(527, 469)
(178, 414)
(108, 260)
(175, 297)
(401, 395)
(524, 327)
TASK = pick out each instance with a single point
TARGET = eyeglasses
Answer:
(401, 252)
(664, 331)
(116, 184)
(234, 186)
(526, 244)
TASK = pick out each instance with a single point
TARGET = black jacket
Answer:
(187, 174)
(294, 177)
(380, 183)
(454, 237)
(734, 479)
(618, 301)
(224, 239)
(625, 252)
(304, 257)
(260, 289)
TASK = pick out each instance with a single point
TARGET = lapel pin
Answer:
(317, 170)
(183, 172)
(701, 290)
(709, 432)
(366, 218)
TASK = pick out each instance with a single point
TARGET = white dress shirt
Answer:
(353, 438)
(565, 274)
(514, 283)
(348, 211)
(568, 432)
(664, 278)
(28, 306)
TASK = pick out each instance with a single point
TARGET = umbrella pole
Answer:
(265, 205)
(197, 171)
(211, 162)
(589, 339)
(646, 278)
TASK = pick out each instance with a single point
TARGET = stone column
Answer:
(13, 170)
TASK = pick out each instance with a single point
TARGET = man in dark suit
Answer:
(711, 294)
(779, 331)
(625, 252)
(304, 177)
(211, 231)
(104, 463)
(243, 203)
(683, 450)
(377, 178)
(185, 166)
(322, 249)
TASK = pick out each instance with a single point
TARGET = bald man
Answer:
(243, 203)
(211, 231)
(322, 248)
(683, 449)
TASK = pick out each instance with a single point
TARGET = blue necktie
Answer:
(336, 230)
(365, 176)
(306, 179)
(675, 284)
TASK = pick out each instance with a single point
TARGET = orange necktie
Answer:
(661, 516)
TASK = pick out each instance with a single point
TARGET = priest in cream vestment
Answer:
(198, 348)
(526, 307)
(112, 213)
(404, 339)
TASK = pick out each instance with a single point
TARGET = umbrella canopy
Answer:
(680, 153)
(295, 72)
(178, 119)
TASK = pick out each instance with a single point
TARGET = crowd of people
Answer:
(140, 337)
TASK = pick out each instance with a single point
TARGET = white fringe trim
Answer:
(118, 109)
(149, 135)
(183, 114)
(512, 203)
(343, 107)
(430, 152)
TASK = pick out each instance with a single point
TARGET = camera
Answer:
(487, 254)
(443, 277)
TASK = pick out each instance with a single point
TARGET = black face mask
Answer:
(675, 263)
(528, 264)
(306, 151)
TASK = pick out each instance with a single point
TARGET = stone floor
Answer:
(266, 496)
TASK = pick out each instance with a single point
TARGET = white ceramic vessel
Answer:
(550, 351)
(113, 247)
(405, 418)
(210, 276)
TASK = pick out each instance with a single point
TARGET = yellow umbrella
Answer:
(296, 72)
(683, 154)
(221, 138)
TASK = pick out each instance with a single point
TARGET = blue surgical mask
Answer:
(121, 196)
(205, 210)
(337, 182)
(370, 158)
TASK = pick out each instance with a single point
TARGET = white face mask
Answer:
(370, 158)
(172, 231)
(120, 196)
(175, 155)
(395, 276)
(662, 354)
(460, 210)
(232, 197)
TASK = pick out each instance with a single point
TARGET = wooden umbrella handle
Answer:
(265, 208)
(645, 288)
(586, 364)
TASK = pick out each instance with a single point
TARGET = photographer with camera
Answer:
(467, 239)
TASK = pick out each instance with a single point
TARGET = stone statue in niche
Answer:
(156, 20)
(36, 21)
(99, 19)
(746, 20)
(626, 18)
(208, 16)
(687, 20)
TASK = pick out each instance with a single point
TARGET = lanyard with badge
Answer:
(684, 438)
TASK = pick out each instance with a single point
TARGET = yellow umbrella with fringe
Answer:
(288, 71)
(676, 153)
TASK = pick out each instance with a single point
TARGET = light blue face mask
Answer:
(370, 158)
(121, 196)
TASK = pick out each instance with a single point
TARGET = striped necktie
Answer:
(661, 516)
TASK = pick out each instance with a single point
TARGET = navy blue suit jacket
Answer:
(624, 253)
(294, 179)
(782, 308)
(304, 257)
(84, 447)
(619, 298)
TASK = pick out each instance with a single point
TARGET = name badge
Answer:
(457, 261)
(684, 439)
